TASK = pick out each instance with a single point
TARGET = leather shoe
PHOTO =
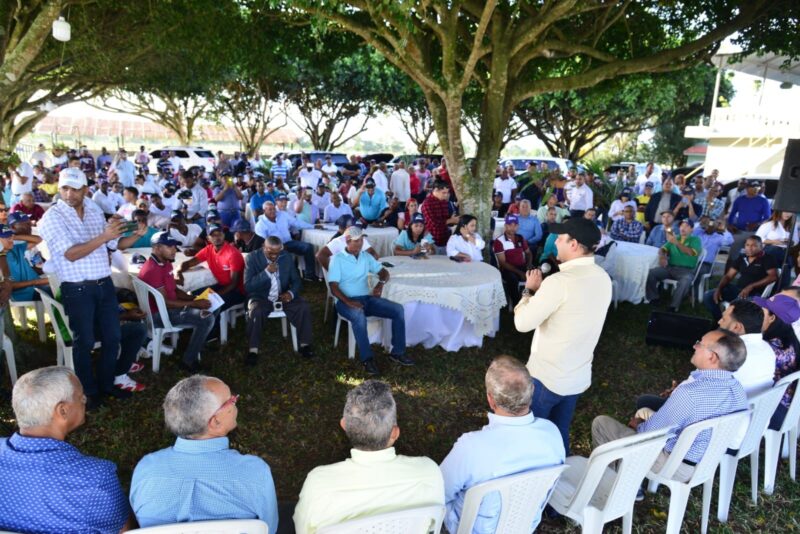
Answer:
(371, 368)
(251, 358)
(307, 351)
(402, 359)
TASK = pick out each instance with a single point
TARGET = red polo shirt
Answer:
(224, 263)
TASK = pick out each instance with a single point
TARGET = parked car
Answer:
(411, 158)
(191, 156)
(769, 185)
(381, 157)
(295, 159)
(554, 164)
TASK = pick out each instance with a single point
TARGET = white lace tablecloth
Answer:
(449, 304)
(122, 266)
(633, 262)
(382, 239)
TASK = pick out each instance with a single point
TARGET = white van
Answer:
(521, 164)
(191, 156)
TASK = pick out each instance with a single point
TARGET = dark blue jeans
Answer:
(729, 294)
(133, 335)
(374, 307)
(556, 408)
(306, 250)
(92, 310)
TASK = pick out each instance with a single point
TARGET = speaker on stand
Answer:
(787, 198)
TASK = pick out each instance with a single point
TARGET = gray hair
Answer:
(267, 202)
(37, 393)
(370, 415)
(189, 405)
(274, 241)
(509, 383)
(730, 350)
(525, 202)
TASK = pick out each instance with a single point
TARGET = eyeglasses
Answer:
(230, 402)
(698, 343)
(3, 210)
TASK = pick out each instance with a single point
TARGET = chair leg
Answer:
(772, 451)
(39, 308)
(708, 490)
(754, 461)
(727, 474)
(68, 358)
(158, 336)
(336, 335)
(351, 342)
(59, 355)
(679, 496)
(294, 338)
(793, 452)
(224, 319)
(283, 326)
(327, 305)
(22, 316)
(627, 522)
(593, 521)
(8, 348)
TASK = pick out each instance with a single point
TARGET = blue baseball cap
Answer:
(345, 221)
(17, 217)
(241, 225)
(512, 219)
(5, 231)
(214, 228)
(163, 238)
(176, 214)
(418, 218)
(281, 196)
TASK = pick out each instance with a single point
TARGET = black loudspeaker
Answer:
(788, 196)
(675, 330)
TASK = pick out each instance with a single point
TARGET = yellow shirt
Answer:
(367, 483)
(50, 189)
(642, 200)
(568, 312)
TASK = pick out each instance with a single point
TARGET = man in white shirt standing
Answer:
(124, 169)
(515, 440)
(581, 197)
(330, 171)
(308, 175)
(375, 479)
(401, 185)
(506, 186)
(102, 197)
(567, 310)
(40, 156)
(175, 161)
(381, 180)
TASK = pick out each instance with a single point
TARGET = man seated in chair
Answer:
(677, 260)
(515, 440)
(348, 278)
(375, 479)
(627, 228)
(24, 259)
(272, 281)
(339, 242)
(199, 477)
(514, 258)
(711, 390)
(182, 308)
(48, 485)
(755, 271)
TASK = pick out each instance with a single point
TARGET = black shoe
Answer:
(93, 402)
(120, 394)
(402, 359)
(672, 309)
(371, 368)
(250, 359)
(192, 368)
(307, 351)
(311, 278)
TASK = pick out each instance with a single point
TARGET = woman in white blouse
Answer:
(465, 244)
(775, 234)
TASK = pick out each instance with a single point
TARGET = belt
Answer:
(87, 282)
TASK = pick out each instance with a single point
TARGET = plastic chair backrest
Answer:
(522, 496)
(723, 430)
(143, 293)
(56, 311)
(793, 413)
(763, 406)
(635, 454)
(768, 289)
(230, 526)
(700, 259)
(412, 521)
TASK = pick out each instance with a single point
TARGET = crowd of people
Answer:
(245, 222)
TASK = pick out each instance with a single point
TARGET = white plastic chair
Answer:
(52, 308)
(351, 338)
(227, 319)
(282, 316)
(768, 289)
(522, 496)
(329, 298)
(788, 431)
(230, 526)
(673, 284)
(143, 292)
(592, 492)
(21, 307)
(412, 521)
(8, 348)
(763, 406)
(723, 431)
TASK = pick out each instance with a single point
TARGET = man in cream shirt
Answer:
(567, 311)
(374, 480)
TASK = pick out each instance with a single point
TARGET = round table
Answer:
(449, 304)
(381, 239)
(122, 268)
(632, 263)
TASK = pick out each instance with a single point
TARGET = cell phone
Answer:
(387, 264)
(131, 226)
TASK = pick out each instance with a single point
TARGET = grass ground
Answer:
(290, 408)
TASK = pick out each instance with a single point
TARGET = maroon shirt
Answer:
(158, 275)
(35, 212)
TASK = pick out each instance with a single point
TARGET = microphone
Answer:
(545, 268)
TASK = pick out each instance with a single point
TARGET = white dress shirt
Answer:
(192, 233)
(332, 213)
(568, 312)
(401, 185)
(581, 198)
(309, 178)
(126, 172)
(368, 483)
(505, 186)
(757, 372)
(106, 202)
(381, 182)
(457, 244)
(199, 203)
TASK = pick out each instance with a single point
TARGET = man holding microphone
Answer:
(567, 310)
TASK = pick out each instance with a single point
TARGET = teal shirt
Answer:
(352, 273)
(404, 242)
(372, 207)
(144, 241)
(21, 270)
(549, 248)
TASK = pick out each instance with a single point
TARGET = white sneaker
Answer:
(144, 353)
(126, 383)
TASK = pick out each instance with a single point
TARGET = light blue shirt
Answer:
(404, 242)
(352, 273)
(372, 206)
(202, 480)
(658, 237)
(530, 228)
(126, 172)
(281, 227)
(712, 242)
(506, 446)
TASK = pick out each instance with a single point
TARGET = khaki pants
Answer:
(606, 429)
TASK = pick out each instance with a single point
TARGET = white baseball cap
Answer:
(71, 177)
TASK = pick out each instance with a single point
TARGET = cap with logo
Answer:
(418, 218)
(370, 182)
(753, 183)
(345, 221)
(648, 184)
(5, 231)
(163, 238)
(71, 177)
(214, 228)
(512, 219)
(354, 232)
(176, 215)
(17, 217)
(688, 190)
(582, 230)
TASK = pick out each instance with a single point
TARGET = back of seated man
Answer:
(514, 441)
(711, 390)
(677, 260)
(47, 484)
(746, 318)
(755, 271)
(339, 242)
(375, 479)
(200, 478)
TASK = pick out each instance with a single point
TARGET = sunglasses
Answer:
(230, 402)
(3, 210)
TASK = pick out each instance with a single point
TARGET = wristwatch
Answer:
(527, 292)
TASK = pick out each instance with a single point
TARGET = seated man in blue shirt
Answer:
(747, 213)
(658, 235)
(24, 260)
(348, 275)
(514, 441)
(710, 391)
(529, 226)
(713, 235)
(371, 202)
(200, 478)
(48, 485)
(260, 196)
